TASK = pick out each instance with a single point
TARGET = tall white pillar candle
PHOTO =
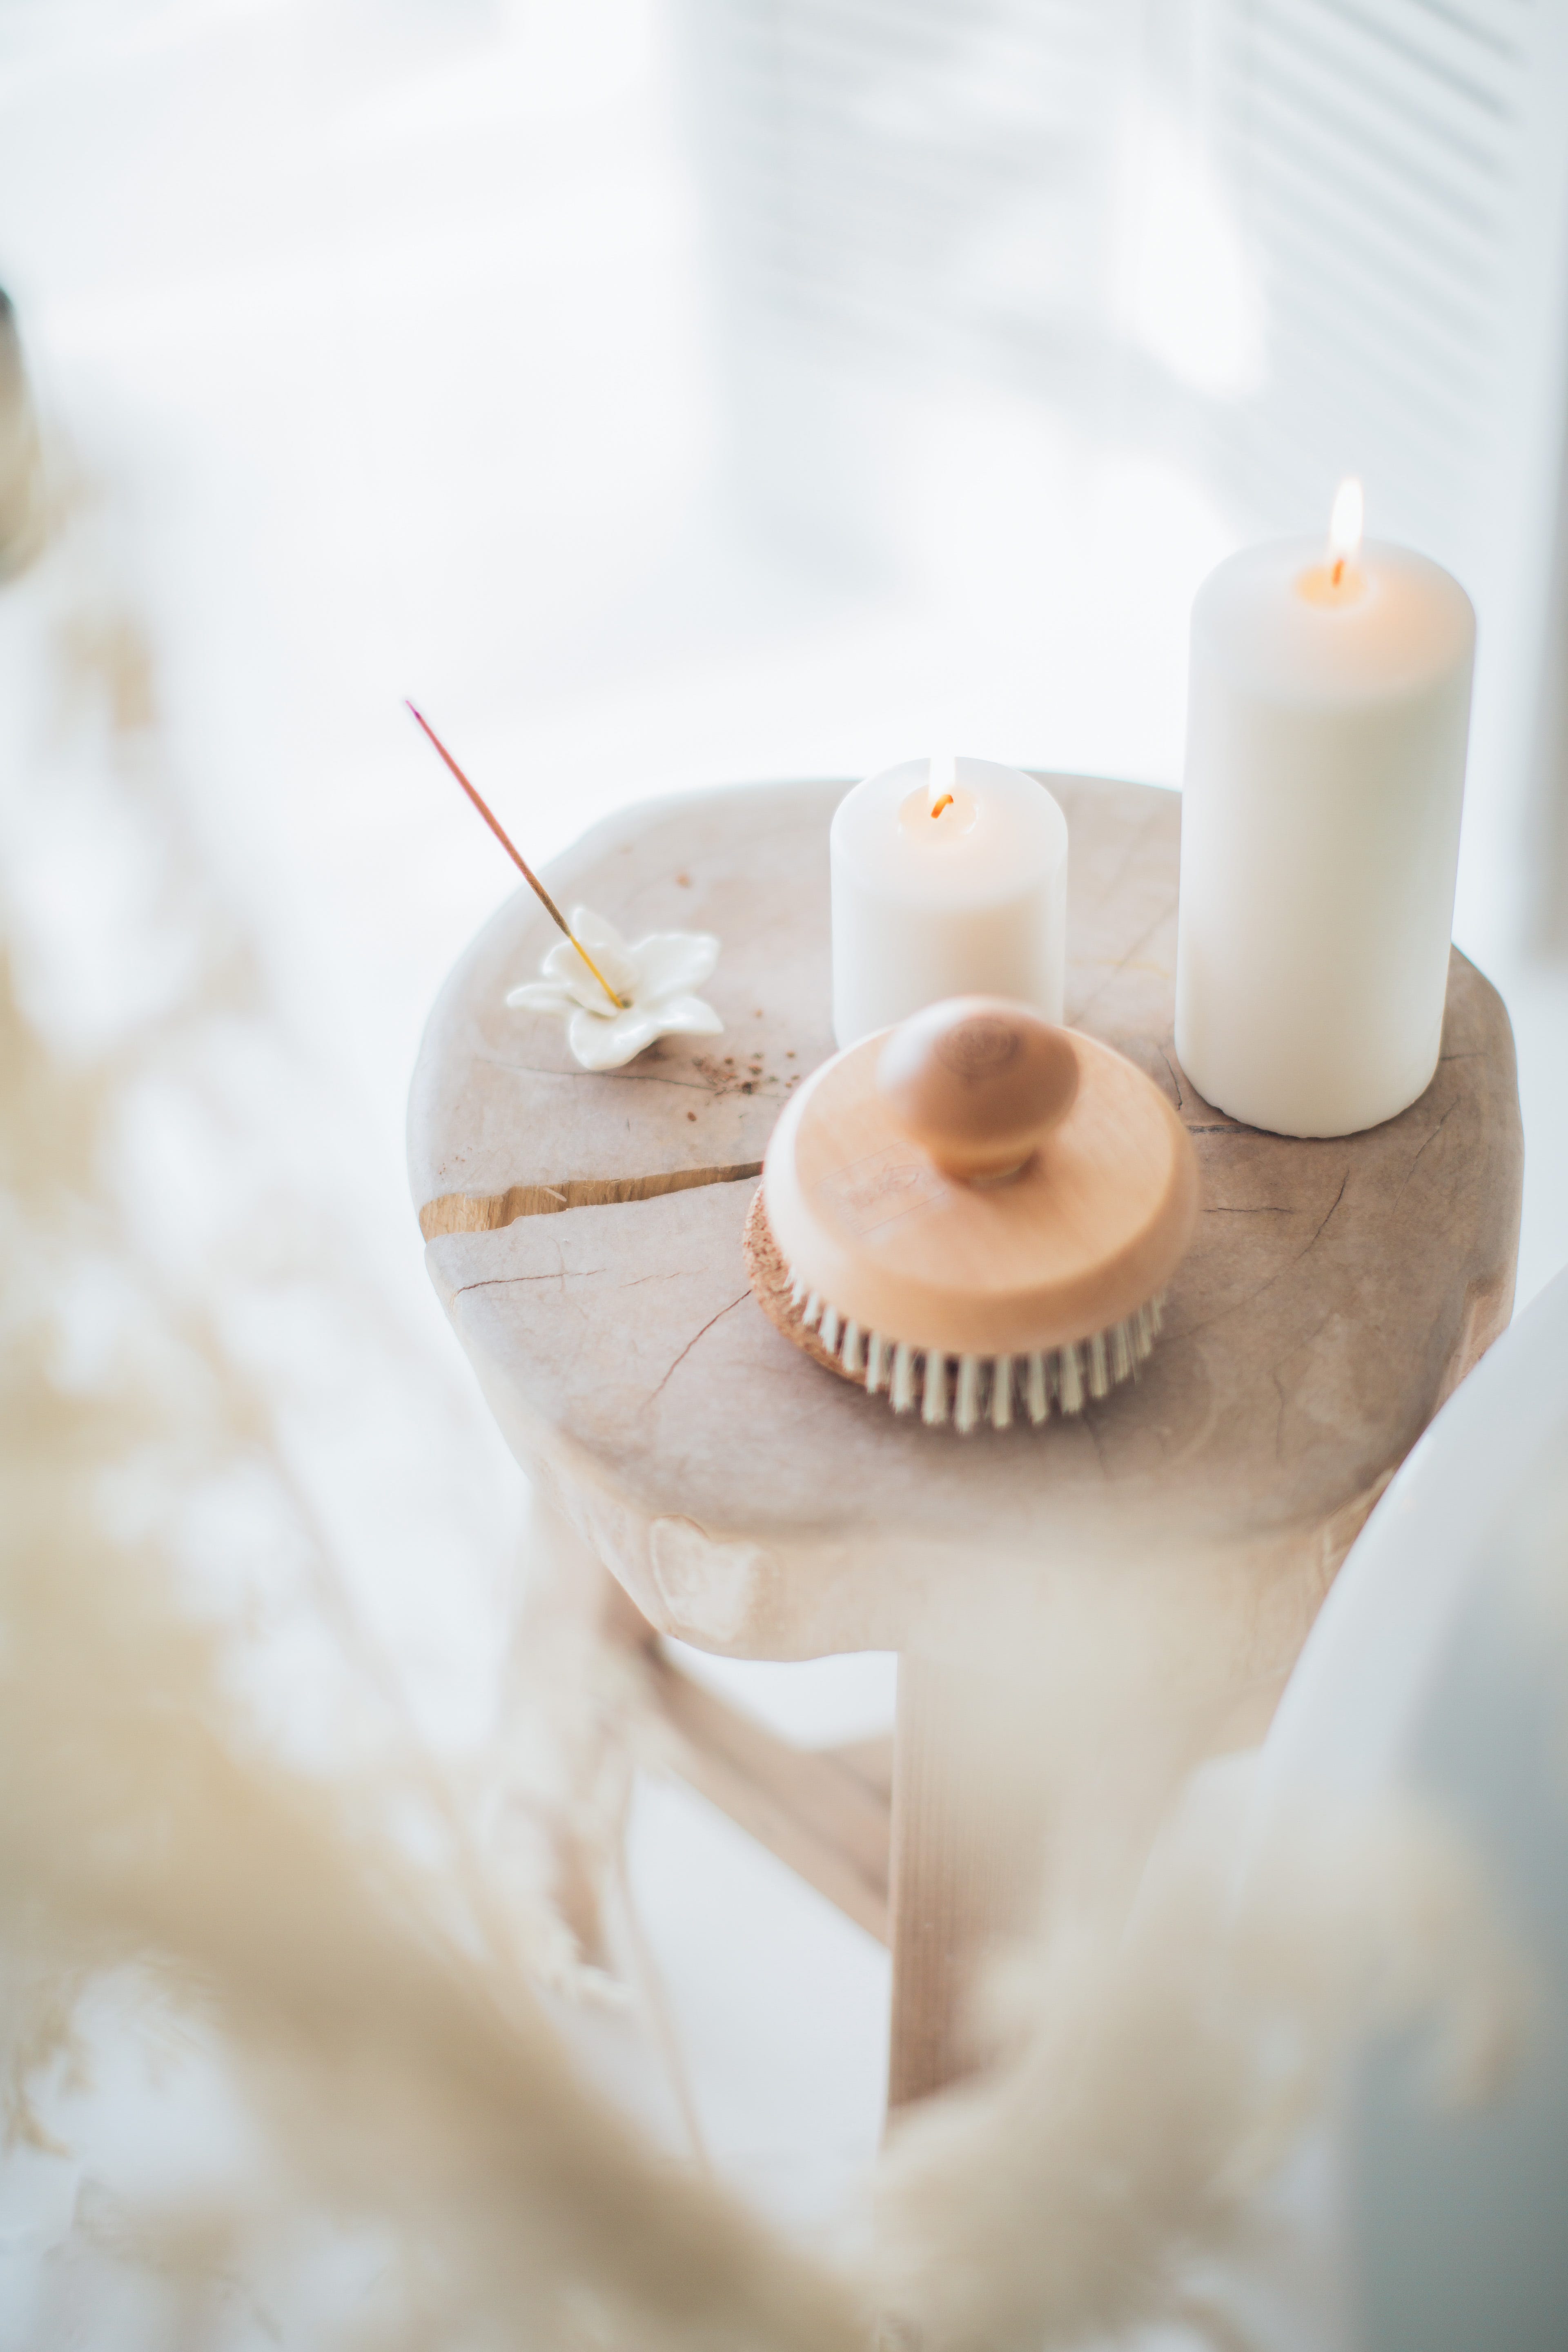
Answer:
(1326, 736)
(949, 879)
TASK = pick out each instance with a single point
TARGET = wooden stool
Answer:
(584, 1232)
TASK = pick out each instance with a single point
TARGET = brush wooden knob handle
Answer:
(978, 1082)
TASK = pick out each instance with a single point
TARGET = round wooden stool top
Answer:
(584, 1232)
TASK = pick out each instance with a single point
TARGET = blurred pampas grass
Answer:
(267, 1866)
(1157, 2065)
(228, 1837)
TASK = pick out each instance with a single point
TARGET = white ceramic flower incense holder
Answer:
(655, 978)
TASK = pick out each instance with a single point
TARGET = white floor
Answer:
(401, 353)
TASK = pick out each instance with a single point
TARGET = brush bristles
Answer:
(969, 1390)
(902, 1394)
(933, 1402)
(1002, 1393)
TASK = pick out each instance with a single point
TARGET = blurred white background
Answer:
(676, 391)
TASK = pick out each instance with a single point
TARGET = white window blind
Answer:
(1291, 238)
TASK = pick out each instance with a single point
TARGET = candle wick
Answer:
(1344, 528)
(941, 777)
(528, 875)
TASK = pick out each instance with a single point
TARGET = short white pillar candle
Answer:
(1325, 773)
(948, 880)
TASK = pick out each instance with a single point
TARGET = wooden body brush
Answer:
(977, 1213)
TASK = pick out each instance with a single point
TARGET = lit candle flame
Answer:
(1345, 526)
(942, 780)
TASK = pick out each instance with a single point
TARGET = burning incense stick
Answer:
(527, 872)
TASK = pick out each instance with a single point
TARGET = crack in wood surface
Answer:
(486, 1212)
(700, 1335)
(1122, 963)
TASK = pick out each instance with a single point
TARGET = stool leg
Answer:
(968, 1840)
(993, 1778)
(566, 1711)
